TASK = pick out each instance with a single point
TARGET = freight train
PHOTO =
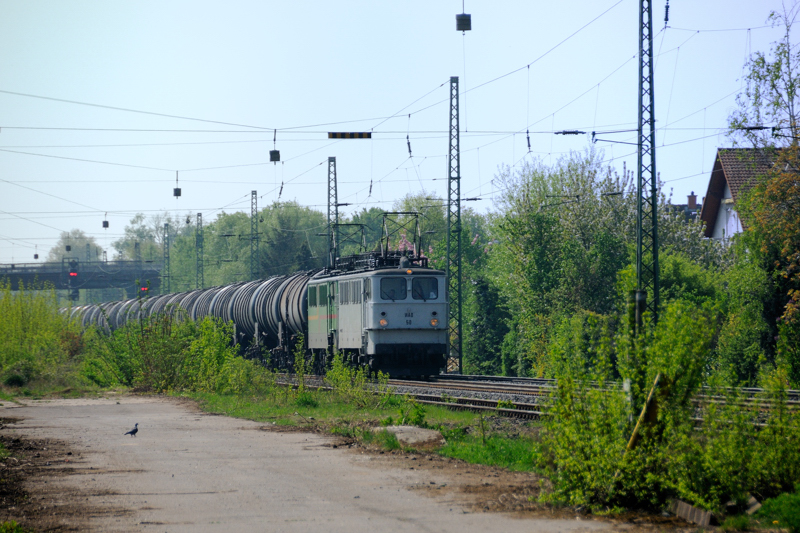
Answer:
(386, 311)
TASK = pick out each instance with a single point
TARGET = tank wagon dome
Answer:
(125, 312)
(102, 317)
(90, 316)
(159, 303)
(76, 312)
(219, 304)
(239, 309)
(203, 303)
(171, 305)
(188, 300)
(293, 302)
(143, 310)
(111, 313)
(258, 305)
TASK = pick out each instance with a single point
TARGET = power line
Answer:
(85, 160)
(532, 62)
(51, 195)
(129, 110)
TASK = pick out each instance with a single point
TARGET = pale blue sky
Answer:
(260, 65)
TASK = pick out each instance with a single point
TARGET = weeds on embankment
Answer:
(39, 346)
(581, 449)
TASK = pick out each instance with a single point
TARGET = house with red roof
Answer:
(735, 171)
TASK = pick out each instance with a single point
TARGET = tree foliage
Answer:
(769, 99)
(78, 241)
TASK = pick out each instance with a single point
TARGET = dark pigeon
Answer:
(134, 431)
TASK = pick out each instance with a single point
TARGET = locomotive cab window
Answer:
(393, 289)
(424, 288)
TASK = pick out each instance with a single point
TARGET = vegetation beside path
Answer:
(580, 450)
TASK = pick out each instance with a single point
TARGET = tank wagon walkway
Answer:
(188, 471)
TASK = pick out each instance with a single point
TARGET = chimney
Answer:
(692, 201)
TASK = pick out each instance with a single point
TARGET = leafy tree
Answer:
(486, 330)
(289, 239)
(771, 209)
(746, 338)
(77, 240)
(372, 219)
(564, 233)
(148, 232)
(770, 95)
(771, 212)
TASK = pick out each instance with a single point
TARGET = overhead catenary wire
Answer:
(408, 141)
(129, 110)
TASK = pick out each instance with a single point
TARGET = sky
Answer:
(104, 104)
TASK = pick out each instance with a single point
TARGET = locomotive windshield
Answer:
(424, 288)
(393, 288)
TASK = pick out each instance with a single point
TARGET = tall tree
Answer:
(767, 118)
(77, 240)
(769, 100)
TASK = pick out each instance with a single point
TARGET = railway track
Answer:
(525, 397)
(529, 395)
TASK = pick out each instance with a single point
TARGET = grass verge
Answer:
(494, 441)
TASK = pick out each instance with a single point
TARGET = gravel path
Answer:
(189, 471)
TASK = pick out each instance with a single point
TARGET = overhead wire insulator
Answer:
(274, 154)
(176, 192)
(408, 142)
(280, 192)
(666, 14)
(528, 135)
(370, 189)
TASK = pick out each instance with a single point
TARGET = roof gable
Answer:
(739, 168)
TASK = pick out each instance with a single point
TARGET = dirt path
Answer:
(189, 471)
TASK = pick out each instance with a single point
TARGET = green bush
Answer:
(783, 511)
(585, 447)
(163, 354)
(736, 523)
(37, 342)
(355, 385)
(13, 527)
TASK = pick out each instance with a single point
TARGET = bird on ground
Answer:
(134, 431)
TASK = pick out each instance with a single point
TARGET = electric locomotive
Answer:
(382, 311)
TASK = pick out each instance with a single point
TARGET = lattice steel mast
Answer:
(453, 267)
(253, 235)
(333, 213)
(198, 244)
(647, 275)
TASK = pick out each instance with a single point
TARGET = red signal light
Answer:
(144, 289)
(73, 274)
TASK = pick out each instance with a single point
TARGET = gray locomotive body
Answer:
(393, 320)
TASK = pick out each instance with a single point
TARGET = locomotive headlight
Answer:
(383, 322)
(434, 322)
